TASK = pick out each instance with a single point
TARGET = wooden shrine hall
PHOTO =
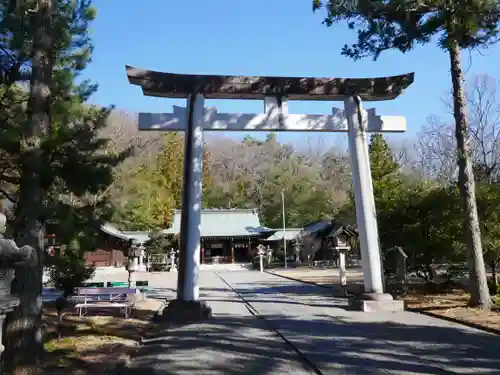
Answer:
(227, 235)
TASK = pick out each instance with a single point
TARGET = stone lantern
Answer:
(340, 243)
(7, 301)
(132, 263)
(11, 255)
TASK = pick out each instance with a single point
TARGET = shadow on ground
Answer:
(231, 345)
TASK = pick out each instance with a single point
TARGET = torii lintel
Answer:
(171, 85)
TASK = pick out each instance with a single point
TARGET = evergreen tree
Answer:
(155, 190)
(455, 24)
(55, 167)
(384, 169)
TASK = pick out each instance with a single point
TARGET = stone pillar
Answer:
(187, 306)
(189, 260)
(374, 299)
(363, 193)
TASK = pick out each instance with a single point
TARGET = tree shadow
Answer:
(224, 344)
(245, 345)
(94, 344)
(100, 322)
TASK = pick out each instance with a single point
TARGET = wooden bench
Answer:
(90, 297)
(124, 284)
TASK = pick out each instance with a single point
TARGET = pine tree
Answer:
(52, 154)
(457, 24)
(384, 170)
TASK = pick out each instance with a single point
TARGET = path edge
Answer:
(492, 331)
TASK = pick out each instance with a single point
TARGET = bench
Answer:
(117, 299)
(124, 284)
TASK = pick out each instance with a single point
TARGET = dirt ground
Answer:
(93, 344)
(452, 304)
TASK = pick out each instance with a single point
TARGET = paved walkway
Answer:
(232, 342)
(336, 341)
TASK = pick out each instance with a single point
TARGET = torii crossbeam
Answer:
(275, 92)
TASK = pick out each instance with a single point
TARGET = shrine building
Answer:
(227, 236)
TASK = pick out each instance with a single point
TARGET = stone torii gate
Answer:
(275, 92)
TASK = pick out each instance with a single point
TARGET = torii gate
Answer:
(275, 92)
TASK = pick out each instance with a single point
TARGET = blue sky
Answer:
(258, 37)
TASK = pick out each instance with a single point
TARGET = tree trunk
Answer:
(480, 295)
(24, 346)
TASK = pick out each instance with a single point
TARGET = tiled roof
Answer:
(328, 228)
(214, 223)
(115, 232)
(288, 233)
(138, 236)
(225, 223)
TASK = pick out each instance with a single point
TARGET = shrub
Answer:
(67, 269)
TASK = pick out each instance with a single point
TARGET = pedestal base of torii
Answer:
(180, 311)
(376, 302)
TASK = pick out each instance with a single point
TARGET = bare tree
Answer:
(480, 157)
(436, 144)
(436, 150)
(484, 114)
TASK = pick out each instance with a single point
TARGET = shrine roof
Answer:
(171, 85)
(137, 236)
(219, 223)
(328, 228)
(288, 234)
(225, 223)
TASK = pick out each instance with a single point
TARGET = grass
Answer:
(94, 344)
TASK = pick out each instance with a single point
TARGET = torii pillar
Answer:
(275, 91)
